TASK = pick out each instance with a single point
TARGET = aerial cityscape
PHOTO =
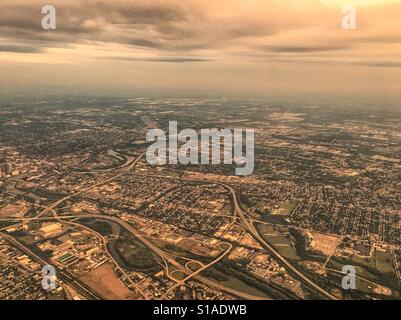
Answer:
(77, 193)
(109, 189)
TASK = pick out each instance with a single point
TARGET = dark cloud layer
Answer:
(285, 49)
(168, 25)
(159, 59)
(91, 21)
(195, 29)
(382, 64)
(19, 49)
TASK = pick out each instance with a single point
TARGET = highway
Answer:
(50, 208)
(55, 204)
(61, 274)
(238, 212)
(252, 230)
(129, 167)
(203, 268)
(104, 243)
(169, 259)
(160, 253)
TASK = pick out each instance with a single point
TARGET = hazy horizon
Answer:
(242, 49)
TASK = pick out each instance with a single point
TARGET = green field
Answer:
(279, 238)
(285, 208)
(233, 282)
(378, 268)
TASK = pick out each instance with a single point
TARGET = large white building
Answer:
(50, 229)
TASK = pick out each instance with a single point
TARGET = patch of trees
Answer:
(136, 257)
(300, 242)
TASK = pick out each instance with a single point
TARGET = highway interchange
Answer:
(238, 214)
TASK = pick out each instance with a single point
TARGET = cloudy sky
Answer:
(246, 48)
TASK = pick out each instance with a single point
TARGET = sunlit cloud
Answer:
(218, 35)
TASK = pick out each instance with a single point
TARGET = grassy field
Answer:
(383, 262)
(233, 282)
(280, 239)
(178, 275)
(378, 268)
(285, 208)
(193, 265)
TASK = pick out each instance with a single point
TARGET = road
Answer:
(169, 259)
(104, 243)
(79, 286)
(203, 268)
(161, 253)
(55, 204)
(238, 212)
(252, 230)
(129, 167)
